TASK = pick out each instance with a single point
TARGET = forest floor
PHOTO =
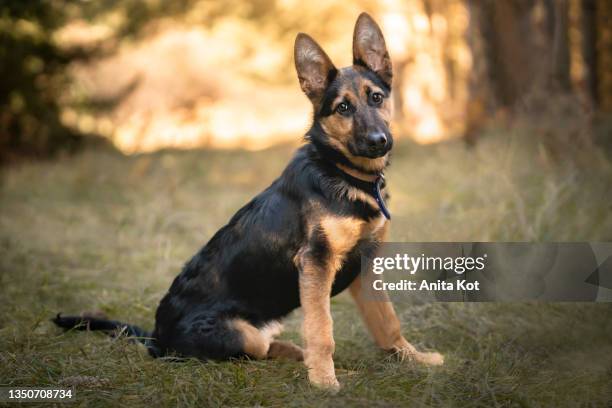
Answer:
(103, 231)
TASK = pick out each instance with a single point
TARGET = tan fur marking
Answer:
(337, 127)
(342, 234)
(270, 330)
(340, 146)
(370, 178)
(256, 342)
(368, 164)
(386, 110)
(378, 227)
(355, 194)
(367, 84)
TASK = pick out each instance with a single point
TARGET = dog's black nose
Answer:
(377, 140)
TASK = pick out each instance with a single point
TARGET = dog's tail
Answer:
(111, 327)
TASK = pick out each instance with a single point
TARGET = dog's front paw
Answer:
(324, 380)
(407, 352)
(321, 371)
(429, 358)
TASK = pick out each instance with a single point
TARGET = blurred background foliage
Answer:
(32, 78)
(151, 74)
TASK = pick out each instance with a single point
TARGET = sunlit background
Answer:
(151, 74)
(223, 76)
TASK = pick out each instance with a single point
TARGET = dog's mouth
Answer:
(371, 152)
(376, 153)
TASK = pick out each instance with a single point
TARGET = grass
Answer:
(103, 231)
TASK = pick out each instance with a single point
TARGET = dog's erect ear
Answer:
(314, 68)
(369, 48)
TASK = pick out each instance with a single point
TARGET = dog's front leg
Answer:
(318, 262)
(315, 291)
(382, 322)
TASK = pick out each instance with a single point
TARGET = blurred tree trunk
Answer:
(519, 48)
(510, 50)
(589, 48)
(604, 54)
(560, 71)
(505, 60)
(480, 79)
(596, 51)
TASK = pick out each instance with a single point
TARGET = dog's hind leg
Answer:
(281, 348)
(259, 342)
(255, 342)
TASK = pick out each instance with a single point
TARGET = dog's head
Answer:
(352, 105)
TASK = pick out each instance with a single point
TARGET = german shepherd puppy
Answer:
(299, 242)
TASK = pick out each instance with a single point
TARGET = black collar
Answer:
(372, 188)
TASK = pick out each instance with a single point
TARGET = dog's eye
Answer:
(343, 108)
(377, 98)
